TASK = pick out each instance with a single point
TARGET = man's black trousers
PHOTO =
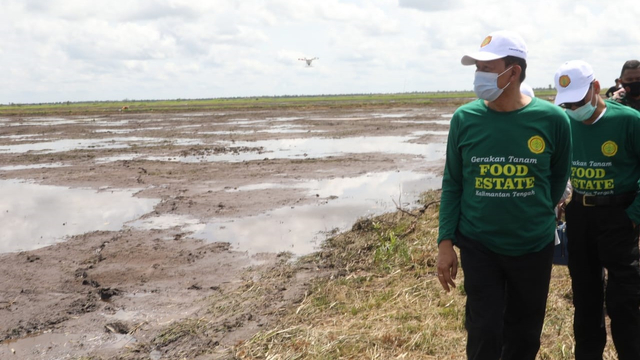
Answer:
(602, 238)
(506, 300)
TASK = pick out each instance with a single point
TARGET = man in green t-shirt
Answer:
(507, 165)
(602, 215)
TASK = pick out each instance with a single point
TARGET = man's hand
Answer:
(447, 264)
(560, 208)
(618, 94)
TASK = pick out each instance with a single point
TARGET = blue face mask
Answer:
(583, 112)
(485, 85)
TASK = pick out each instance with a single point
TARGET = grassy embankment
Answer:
(387, 303)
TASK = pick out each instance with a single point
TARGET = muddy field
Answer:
(115, 226)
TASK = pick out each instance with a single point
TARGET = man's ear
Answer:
(596, 86)
(516, 71)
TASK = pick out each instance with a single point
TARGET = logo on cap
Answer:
(486, 41)
(564, 81)
(536, 144)
(609, 148)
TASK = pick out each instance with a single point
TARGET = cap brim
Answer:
(571, 96)
(479, 56)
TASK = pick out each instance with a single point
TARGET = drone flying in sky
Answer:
(308, 60)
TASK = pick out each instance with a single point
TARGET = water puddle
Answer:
(34, 166)
(19, 137)
(123, 315)
(126, 131)
(301, 229)
(49, 345)
(37, 346)
(264, 186)
(122, 157)
(291, 131)
(201, 114)
(383, 116)
(112, 123)
(186, 142)
(437, 122)
(34, 216)
(318, 148)
(114, 131)
(278, 129)
(79, 144)
(163, 222)
(431, 132)
(340, 118)
(46, 121)
(245, 122)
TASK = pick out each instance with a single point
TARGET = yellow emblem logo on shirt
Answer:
(609, 148)
(564, 81)
(536, 144)
(486, 41)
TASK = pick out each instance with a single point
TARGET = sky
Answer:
(79, 50)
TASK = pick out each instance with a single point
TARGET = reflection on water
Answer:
(319, 148)
(36, 344)
(126, 131)
(88, 144)
(46, 121)
(437, 122)
(40, 345)
(263, 186)
(78, 144)
(389, 115)
(163, 222)
(431, 132)
(272, 129)
(34, 216)
(34, 166)
(301, 229)
(261, 121)
(19, 137)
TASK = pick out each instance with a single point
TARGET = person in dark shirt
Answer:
(613, 89)
(629, 94)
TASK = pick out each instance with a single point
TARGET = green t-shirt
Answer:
(504, 174)
(606, 155)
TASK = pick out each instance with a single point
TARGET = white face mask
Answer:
(583, 112)
(485, 85)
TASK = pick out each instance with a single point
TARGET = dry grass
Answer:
(384, 301)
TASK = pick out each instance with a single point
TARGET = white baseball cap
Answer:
(573, 80)
(497, 45)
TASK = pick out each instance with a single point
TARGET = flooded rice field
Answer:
(339, 166)
(156, 204)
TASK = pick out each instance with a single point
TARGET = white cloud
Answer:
(59, 50)
(429, 5)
